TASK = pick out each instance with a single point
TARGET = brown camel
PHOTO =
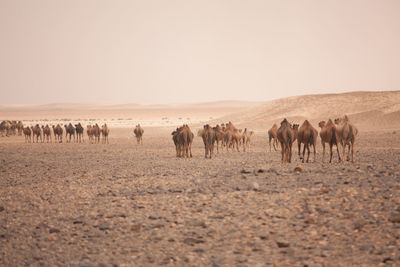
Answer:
(79, 132)
(138, 131)
(69, 132)
(295, 128)
(5, 127)
(27, 134)
(307, 135)
(89, 133)
(272, 137)
(232, 137)
(175, 135)
(328, 135)
(46, 133)
(286, 136)
(220, 136)
(36, 131)
(58, 133)
(346, 133)
(246, 138)
(13, 128)
(209, 138)
(104, 133)
(96, 133)
(183, 139)
(20, 127)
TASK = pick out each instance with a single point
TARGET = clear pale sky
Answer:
(194, 51)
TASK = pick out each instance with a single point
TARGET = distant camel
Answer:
(69, 132)
(328, 135)
(346, 133)
(89, 133)
(138, 131)
(96, 133)
(20, 127)
(286, 136)
(307, 135)
(209, 138)
(46, 133)
(232, 137)
(295, 128)
(104, 133)
(27, 134)
(183, 139)
(79, 132)
(58, 133)
(220, 136)
(36, 132)
(272, 136)
(246, 138)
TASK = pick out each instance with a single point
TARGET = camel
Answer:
(20, 127)
(89, 133)
(307, 135)
(295, 128)
(36, 132)
(79, 132)
(176, 143)
(5, 127)
(27, 134)
(346, 133)
(209, 138)
(246, 136)
(220, 136)
(286, 136)
(13, 128)
(96, 133)
(328, 135)
(138, 131)
(183, 139)
(69, 132)
(46, 133)
(272, 136)
(104, 133)
(232, 137)
(58, 133)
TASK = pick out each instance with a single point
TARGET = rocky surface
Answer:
(124, 204)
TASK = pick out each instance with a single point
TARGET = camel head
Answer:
(321, 124)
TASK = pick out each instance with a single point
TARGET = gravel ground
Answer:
(124, 204)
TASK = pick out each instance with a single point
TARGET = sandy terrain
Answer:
(124, 204)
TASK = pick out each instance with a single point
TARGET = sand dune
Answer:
(366, 109)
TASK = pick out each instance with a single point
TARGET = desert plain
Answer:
(124, 204)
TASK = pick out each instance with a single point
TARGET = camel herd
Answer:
(224, 135)
(339, 132)
(9, 128)
(44, 133)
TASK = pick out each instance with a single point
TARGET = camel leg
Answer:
(308, 152)
(352, 152)
(315, 152)
(330, 152)
(304, 151)
(337, 147)
(269, 142)
(299, 149)
(282, 152)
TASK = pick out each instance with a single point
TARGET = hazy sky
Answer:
(180, 51)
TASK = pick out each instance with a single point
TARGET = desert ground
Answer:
(124, 204)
